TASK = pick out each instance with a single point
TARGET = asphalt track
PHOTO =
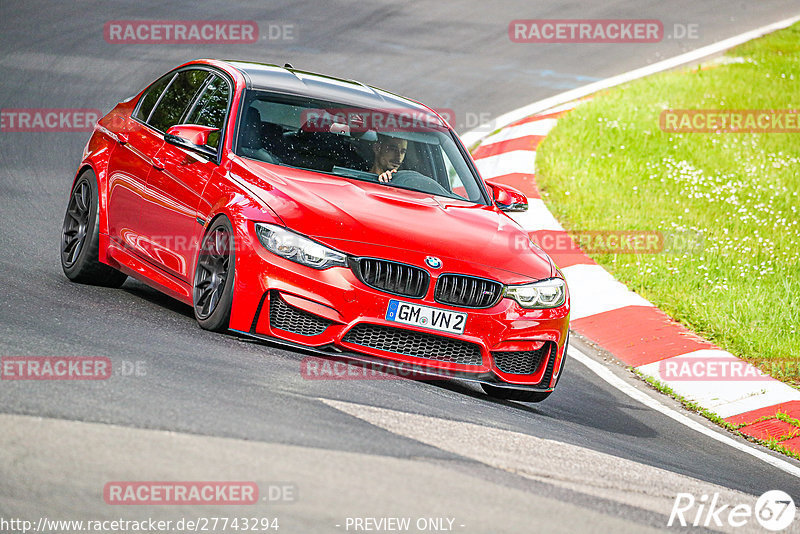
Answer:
(213, 407)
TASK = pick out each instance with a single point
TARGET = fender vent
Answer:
(521, 362)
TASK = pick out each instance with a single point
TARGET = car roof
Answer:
(319, 86)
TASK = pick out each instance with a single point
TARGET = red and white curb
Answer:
(627, 325)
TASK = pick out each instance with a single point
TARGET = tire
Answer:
(212, 296)
(80, 237)
(522, 395)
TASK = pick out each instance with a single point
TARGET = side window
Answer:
(210, 109)
(176, 99)
(150, 97)
(456, 185)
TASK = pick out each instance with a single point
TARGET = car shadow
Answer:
(473, 390)
(143, 291)
(567, 404)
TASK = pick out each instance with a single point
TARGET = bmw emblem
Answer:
(433, 262)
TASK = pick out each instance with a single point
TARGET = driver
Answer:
(389, 155)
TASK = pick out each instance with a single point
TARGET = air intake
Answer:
(467, 291)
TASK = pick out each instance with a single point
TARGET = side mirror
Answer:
(191, 137)
(507, 198)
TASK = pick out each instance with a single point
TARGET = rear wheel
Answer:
(213, 278)
(80, 237)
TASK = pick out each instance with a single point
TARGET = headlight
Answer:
(298, 248)
(545, 294)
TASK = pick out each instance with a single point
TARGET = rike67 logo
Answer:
(774, 510)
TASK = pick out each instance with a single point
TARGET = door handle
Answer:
(122, 138)
(158, 164)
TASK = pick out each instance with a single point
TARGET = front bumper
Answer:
(342, 302)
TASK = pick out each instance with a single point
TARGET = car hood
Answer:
(355, 217)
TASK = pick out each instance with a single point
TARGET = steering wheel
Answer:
(417, 180)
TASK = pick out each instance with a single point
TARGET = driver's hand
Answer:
(386, 176)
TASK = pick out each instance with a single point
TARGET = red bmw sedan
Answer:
(320, 213)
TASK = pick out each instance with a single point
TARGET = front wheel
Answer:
(213, 277)
(80, 237)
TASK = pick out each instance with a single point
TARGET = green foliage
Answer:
(728, 204)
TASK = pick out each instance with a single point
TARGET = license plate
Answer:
(426, 317)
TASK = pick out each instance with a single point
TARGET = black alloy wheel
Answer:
(213, 279)
(76, 222)
(80, 237)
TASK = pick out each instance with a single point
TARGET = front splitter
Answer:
(402, 370)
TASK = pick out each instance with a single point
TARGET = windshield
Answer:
(402, 148)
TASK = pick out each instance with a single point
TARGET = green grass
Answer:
(727, 203)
